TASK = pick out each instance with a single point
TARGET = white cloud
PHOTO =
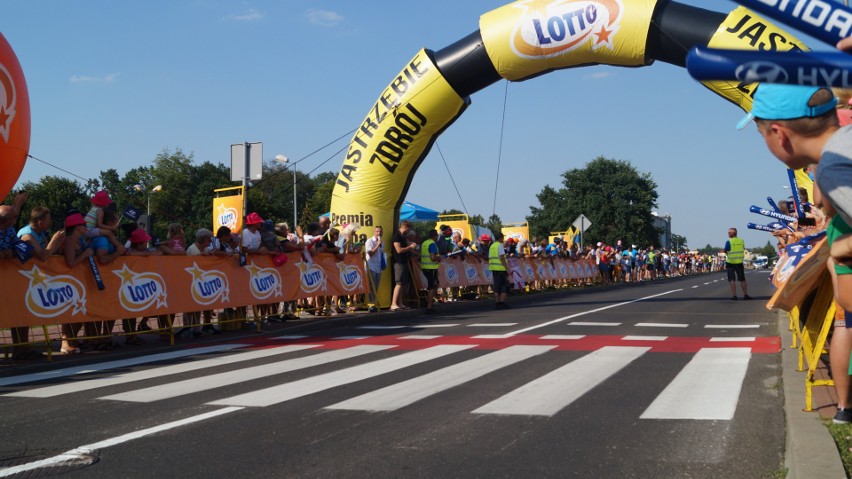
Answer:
(90, 79)
(251, 15)
(323, 18)
(599, 75)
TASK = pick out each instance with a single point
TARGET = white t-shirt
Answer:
(251, 240)
(374, 262)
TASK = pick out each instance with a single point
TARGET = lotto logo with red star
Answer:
(549, 29)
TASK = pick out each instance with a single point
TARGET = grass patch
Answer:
(842, 434)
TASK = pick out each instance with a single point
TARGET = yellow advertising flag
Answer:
(228, 211)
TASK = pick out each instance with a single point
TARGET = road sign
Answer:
(238, 161)
(582, 223)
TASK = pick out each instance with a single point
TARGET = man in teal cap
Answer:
(800, 127)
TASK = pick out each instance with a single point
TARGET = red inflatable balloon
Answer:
(14, 118)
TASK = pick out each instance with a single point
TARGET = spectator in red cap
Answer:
(95, 220)
(251, 238)
(76, 250)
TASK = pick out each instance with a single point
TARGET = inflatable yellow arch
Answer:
(517, 42)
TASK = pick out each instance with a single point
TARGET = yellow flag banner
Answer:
(50, 292)
(473, 271)
(228, 211)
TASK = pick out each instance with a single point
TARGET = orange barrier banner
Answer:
(49, 292)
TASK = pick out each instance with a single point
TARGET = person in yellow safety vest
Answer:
(734, 255)
(429, 259)
(499, 268)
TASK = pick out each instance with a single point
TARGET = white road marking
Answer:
(491, 336)
(732, 339)
(88, 449)
(121, 363)
(644, 338)
(592, 323)
(708, 387)
(380, 326)
(77, 386)
(694, 287)
(731, 326)
(205, 383)
(662, 325)
(421, 336)
(488, 325)
(413, 390)
(432, 325)
(563, 336)
(577, 315)
(554, 391)
(296, 389)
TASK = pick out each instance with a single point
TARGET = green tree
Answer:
(679, 243)
(767, 250)
(494, 223)
(616, 198)
(57, 194)
(319, 201)
(710, 249)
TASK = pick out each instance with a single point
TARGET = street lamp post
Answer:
(283, 159)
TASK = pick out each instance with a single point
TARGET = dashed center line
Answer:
(490, 325)
(590, 323)
(662, 325)
(731, 326)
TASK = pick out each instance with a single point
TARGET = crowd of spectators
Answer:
(98, 236)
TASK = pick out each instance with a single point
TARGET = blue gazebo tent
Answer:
(411, 212)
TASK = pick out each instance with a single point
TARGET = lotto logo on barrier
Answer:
(486, 273)
(50, 296)
(208, 287)
(264, 283)
(451, 274)
(140, 291)
(350, 277)
(312, 278)
(470, 273)
(529, 272)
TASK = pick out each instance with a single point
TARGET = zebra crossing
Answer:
(707, 388)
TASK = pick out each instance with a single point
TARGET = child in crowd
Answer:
(175, 243)
(95, 225)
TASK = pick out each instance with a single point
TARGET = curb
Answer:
(810, 451)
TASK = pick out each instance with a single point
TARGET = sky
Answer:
(112, 84)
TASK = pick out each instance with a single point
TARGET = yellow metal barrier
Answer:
(812, 334)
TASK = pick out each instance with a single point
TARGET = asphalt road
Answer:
(668, 379)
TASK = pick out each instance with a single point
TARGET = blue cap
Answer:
(775, 101)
